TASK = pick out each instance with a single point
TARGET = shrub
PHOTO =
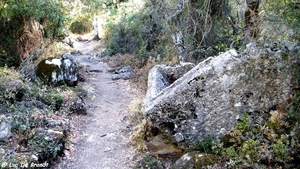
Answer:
(19, 25)
(47, 149)
(11, 85)
(53, 99)
(206, 145)
(81, 26)
(138, 34)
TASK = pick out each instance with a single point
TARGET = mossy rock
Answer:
(44, 71)
(58, 71)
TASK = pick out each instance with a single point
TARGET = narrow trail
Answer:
(102, 136)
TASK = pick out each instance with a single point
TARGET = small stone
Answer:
(107, 149)
(124, 69)
(124, 76)
(34, 157)
(178, 137)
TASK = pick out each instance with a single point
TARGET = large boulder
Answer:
(58, 71)
(210, 98)
(161, 76)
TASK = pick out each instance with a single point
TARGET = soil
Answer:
(101, 138)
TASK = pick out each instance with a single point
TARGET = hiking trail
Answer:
(101, 138)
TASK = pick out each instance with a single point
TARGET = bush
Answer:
(81, 26)
(15, 16)
(138, 34)
(126, 36)
(11, 85)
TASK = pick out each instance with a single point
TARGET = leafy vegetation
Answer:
(24, 17)
(31, 110)
(148, 161)
(254, 143)
(206, 145)
(81, 26)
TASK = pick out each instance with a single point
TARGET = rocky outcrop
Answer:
(37, 136)
(210, 98)
(58, 71)
(30, 37)
(161, 76)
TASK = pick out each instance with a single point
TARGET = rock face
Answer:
(210, 98)
(31, 37)
(58, 71)
(161, 76)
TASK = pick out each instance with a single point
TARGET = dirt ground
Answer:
(101, 138)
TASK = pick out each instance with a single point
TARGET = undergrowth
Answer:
(138, 120)
(261, 142)
(31, 111)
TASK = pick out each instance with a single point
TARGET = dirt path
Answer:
(102, 136)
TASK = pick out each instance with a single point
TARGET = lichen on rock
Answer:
(58, 71)
(210, 98)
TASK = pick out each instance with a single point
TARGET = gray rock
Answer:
(161, 76)
(210, 98)
(121, 73)
(79, 107)
(4, 128)
(124, 69)
(58, 71)
(125, 76)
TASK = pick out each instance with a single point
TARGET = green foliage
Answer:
(148, 161)
(15, 15)
(124, 38)
(272, 142)
(128, 36)
(294, 111)
(264, 144)
(249, 150)
(49, 12)
(280, 150)
(48, 149)
(53, 99)
(284, 19)
(23, 121)
(32, 8)
(206, 145)
(243, 123)
(231, 153)
(80, 26)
